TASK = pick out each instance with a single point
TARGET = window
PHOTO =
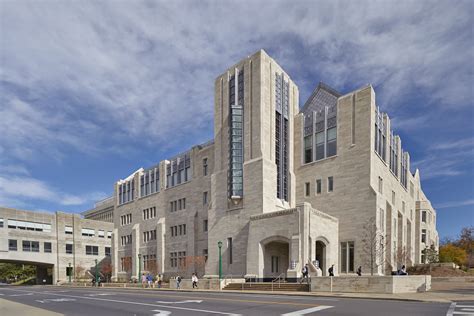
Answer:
(307, 189)
(275, 267)
(204, 198)
(205, 223)
(88, 232)
(236, 152)
(126, 240)
(423, 216)
(380, 133)
(308, 149)
(22, 225)
(318, 186)
(12, 245)
(69, 248)
(109, 235)
(423, 236)
(92, 250)
(347, 256)
(30, 246)
(380, 185)
(204, 167)
(1, 222)
(330, 184)
(127, 191)
(107, 251)
(101, 234)
(126, 219)
(205, 254)
(47, 247)
(393, 198)
(229, 249)
(68, 230)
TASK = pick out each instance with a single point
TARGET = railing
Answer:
(250, 281)
(278, 278)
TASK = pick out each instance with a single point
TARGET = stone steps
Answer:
(267, 286)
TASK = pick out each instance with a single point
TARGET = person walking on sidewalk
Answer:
(195, 280)
(331, 270)
(304, 272)
(144, 280)
(178, 282)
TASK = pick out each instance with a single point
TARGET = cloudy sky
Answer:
(92, 90)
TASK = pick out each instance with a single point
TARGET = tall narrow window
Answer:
(330, 184)
(281, 135)
(204, 198)
(204, 167)
(275, 263)
(347, 257)
(307, 189)
(318, 186)
(423, 235)
(229, 249)
(308, 149)
(380, 185)
(236, 105)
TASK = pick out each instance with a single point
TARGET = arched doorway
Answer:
(275, 258)
(320, 255)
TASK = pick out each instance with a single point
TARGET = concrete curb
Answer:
(303, 294)
(8, 308)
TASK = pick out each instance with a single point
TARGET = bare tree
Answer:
(402, 256)
(79, 271)
(373, 245)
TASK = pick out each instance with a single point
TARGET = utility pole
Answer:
(219, 244)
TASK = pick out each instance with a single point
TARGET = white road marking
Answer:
(308, 310)
(100, 294)
(466, 306)
(467, 309)
(463, 313)
(179, 302)
(451, 309)
(161, 312)
(1, 294)
(47, 300)
(143, 304)
(26, 294)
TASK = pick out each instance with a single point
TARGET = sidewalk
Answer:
(440, 297)
(9, 308)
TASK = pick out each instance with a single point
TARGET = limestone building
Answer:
(56, 243)
(278, 187)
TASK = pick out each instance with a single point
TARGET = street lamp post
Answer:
(139, 268)
(96, 274)
(70, 272)
(219, 244)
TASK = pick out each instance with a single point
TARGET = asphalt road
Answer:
(104, 302)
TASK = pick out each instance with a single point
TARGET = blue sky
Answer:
(91, 91)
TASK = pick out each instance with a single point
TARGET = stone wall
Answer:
(372, 284)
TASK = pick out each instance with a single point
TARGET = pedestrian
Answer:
(195, 280)
(331, 270)
(178, 282)
(149, 278)
(304, 272)
(359, 271)
(159, 279)
(144, 280)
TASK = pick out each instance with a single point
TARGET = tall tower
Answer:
(255, 103)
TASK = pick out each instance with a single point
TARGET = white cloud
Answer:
(17, 190)
(145, 70)
(454, 204)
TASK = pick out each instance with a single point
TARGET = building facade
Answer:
(278, 187)
(58, 243)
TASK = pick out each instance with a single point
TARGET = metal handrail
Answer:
(279, 280)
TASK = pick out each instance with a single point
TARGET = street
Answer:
(92, 301)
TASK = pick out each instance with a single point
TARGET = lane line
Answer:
(157, 292)
(145, 304)
(21, 294)
(307, 311)
(225, 299)
(463, 313)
